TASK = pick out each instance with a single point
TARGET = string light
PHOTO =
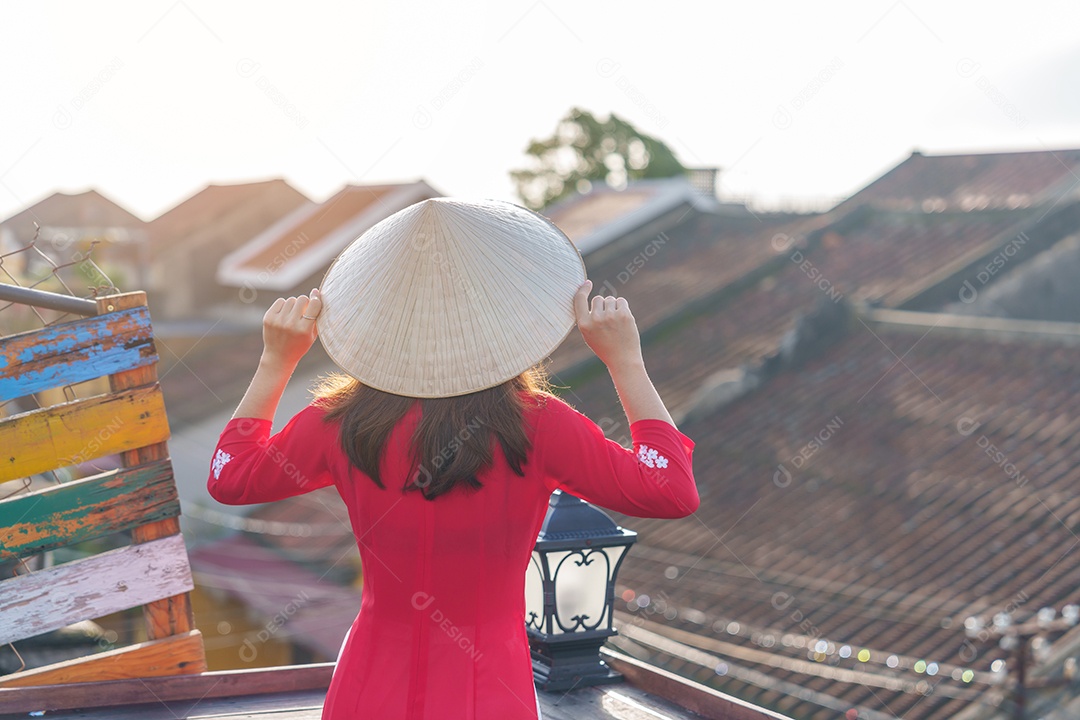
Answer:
(703, 654)
(821, 650)
(818, 649)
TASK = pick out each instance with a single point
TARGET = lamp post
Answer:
(570, 593)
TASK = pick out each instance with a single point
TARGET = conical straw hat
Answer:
(448, 297)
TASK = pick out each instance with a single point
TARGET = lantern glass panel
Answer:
(534, 594)
(615, 554)
(581, 580)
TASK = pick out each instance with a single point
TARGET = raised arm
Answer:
(250, 466)
(610, 330)
(655, 478)
(288, 333)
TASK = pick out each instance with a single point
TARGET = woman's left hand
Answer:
(289, 329)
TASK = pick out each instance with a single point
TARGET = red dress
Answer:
(441, 628)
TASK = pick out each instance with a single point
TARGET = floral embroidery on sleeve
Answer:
(220, 460)
(651, 457)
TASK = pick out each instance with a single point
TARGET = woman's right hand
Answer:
(608, 328)
(289, 329)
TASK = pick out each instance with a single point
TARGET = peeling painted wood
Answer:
(130, 421)
(173, 615)
(177, 655)
(81, 430)
(93, 587)
(86, 509)
(74, 352)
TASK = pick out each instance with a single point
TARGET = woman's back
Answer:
(441, 629)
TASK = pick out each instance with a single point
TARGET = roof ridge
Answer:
(991, 153)
(989, 328)
(242, 183)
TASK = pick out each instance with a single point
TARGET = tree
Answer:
(585, 150)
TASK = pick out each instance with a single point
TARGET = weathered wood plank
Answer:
(176, 655)
(695, 697)
(173, 615)
(92, 587)
(86, 509)
(74, 352)
(81, 430)
(204, 686)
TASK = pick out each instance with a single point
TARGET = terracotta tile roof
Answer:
(887, 259)
(896, 525)
(586, 213)
(188, 242)
(89, 209)
(332, 214)
(694, 258)
(603, 215)
(975, 181)
(882, 257)
(698, 255)
(306, 240)
(175, 229)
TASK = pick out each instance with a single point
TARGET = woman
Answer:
(445, 445)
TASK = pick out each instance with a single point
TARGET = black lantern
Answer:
(570, 593)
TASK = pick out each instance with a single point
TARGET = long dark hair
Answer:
(454, 439)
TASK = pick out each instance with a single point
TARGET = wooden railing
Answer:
(139, 498)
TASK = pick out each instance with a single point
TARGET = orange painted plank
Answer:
(81, 430)
(176, 655)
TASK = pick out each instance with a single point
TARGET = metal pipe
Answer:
(47, 300)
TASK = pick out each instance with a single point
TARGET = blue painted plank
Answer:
(75, 351)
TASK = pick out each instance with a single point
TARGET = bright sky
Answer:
(799, 101)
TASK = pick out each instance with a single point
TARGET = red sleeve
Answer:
(249, 466)
(654, 480)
